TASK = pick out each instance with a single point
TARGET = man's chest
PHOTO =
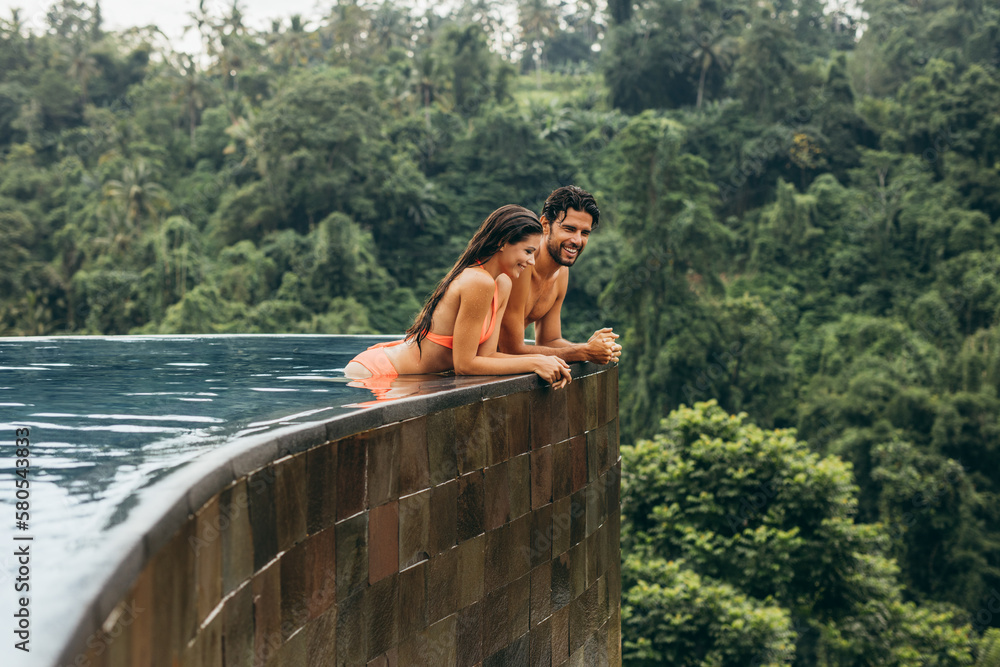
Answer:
(540, 300)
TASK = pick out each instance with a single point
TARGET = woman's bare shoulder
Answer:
(473, 281)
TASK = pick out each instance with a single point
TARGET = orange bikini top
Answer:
(488, 325)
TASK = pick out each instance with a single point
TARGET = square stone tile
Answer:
(577, 570)
(295, 651)
(577, 626)
(472, 437)
(321, 571)
(441, 446)
(383, 541)
(590, 545)
(562, 469)
(412, 600)
(237, 629)
(612, 394)
(540, 645)
(496, 621)
(562, 522)
(321, 473)
(177, 622)
(518, 423)
(519, 538)
(442, 585)
(601, 564)
(471, 505)
(558, 417)
(382, 614)
(383, 464)
(207, 546)
(541, 476)
(497, 492)
(578, 512)
(414, 466)
(519, 479)
(352, 556)
(614, 449)
(593, 401)
(497, 559)
(263, 516)
(352, 476)
(321, 638)
(352, 630)
(602, 399)
(496, 412)
(518, 601)
(595, 504)
(560, 636)
(471, 568)
(290, 497)
(444, 517)
(237, 542)
(615, 640)
(469, 636)
(414, 528)
(294, 590)
(561, 587)
(515, 653)
(593, 456)
(578, 461)
(435, 645)
(541, 593)
(540, 539)
(576, 408)
(140, 596)
(267, 613)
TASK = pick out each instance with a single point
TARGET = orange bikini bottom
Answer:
(383, 372)
(377, 361)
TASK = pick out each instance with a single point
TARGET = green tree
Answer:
(756, 515)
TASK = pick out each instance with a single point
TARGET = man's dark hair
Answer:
(567, 197)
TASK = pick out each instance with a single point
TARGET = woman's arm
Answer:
(475, 299)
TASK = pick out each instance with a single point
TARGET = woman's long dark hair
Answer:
(507, 224)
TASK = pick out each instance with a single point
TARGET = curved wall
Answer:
(478, 525)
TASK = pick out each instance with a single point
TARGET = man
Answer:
(568, 217)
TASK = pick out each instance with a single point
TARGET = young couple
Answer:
(514, 271)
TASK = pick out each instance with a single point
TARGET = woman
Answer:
(458, 327)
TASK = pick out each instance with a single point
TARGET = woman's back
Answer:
(474, 289)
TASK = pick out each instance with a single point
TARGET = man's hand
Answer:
(602, 348)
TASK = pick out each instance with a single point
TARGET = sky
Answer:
(171, 16)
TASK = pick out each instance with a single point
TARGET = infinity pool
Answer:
(110, 417)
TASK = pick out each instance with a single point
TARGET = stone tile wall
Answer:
(482, 534)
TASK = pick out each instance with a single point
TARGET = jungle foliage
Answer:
(800, 210)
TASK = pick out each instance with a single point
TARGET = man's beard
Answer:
(555, 252)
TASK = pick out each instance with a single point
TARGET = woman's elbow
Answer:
(464, 368)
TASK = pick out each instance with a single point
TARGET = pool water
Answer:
(110, 416)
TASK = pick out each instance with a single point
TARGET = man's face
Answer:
(568, 237)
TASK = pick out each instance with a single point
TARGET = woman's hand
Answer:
(553, 370)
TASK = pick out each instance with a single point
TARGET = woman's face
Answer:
(516, 257)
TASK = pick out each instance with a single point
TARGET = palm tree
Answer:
(713, 49)
(537, 20)
(137, 194)
(296, 45)
(192, 89)
(82, 65)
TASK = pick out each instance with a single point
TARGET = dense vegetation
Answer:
(800, 221)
